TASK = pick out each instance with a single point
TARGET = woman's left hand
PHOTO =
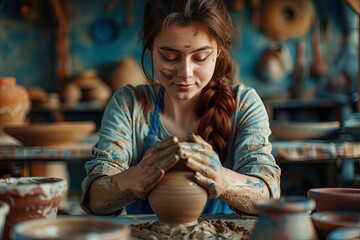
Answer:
(204, 161)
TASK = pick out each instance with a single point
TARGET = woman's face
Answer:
(184, 60)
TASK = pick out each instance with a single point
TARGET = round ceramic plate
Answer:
(50, 134)
(303, 130)
(71, 227)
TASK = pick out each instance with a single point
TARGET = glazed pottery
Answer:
(325, 222)
(4, 210)
(50, 134)
(14, 103)
(178, 199)
(31, 198)
(71, 227)
(344, 233)
(336, 199)
(284, 218)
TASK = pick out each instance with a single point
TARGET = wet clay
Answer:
(205, 229)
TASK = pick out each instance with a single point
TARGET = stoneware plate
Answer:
(336, 199)
(71, 227)
(303, 130)
(50, 134)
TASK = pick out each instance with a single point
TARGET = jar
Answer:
(14, 103)
(285, 218)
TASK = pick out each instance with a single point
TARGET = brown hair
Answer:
(217, 102)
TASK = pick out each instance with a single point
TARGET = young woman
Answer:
(186, 113)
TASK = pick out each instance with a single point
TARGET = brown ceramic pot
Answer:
(336, 199)
(30, 198)
(4, 210)
(14, 102)
(178, 199)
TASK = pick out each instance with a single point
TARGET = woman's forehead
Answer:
(188, 36)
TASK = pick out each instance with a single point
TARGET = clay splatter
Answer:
(166, 74)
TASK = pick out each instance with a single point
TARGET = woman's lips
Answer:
(183, 88)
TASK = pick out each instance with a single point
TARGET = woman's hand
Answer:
(156, 161)
(204, 161)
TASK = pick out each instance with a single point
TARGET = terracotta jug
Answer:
(30, 198)
(178, 199)
(284, 218)
(14, 103)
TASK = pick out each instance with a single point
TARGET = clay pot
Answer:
(178, 199)
(284, 218)
(336, 199)
(4, 210)
(14, 103)
(72, 227)
(126, 72)
(30, 198)
(326, 222)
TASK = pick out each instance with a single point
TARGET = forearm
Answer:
(242, 191)
(109, 194)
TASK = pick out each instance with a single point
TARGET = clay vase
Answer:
(30, 198)
(284, 218)
(4, 210)
(14, 103)
(127, 71)
(178, 199)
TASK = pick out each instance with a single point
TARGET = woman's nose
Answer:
(185, 69)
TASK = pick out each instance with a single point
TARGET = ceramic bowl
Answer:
(352, 127)
(31, 198)
(344, 233)
(336, 199)
(325, 222)
(50, 134)
(4, 210)
(71, 227)
(303, 130)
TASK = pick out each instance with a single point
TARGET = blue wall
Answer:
(27, 48)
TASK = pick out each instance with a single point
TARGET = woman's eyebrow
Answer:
(165, 48)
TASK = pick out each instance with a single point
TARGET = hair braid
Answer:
(216, 106)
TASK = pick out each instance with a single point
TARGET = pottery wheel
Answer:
(205, 229)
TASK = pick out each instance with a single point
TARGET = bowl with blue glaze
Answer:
(336, 199)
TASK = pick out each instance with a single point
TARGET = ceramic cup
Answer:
(30, 198)
(284, 218)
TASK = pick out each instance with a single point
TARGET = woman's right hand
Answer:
(156, 161)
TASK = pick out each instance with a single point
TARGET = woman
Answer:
(187, 113)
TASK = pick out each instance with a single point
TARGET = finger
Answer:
(162, 155)
(168, 162)
(196, 147)
(198, 139)
(208, 184)
(166, 143)
(201, 168)
(151, 181)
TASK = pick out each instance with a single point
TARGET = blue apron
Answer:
(142, 206)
